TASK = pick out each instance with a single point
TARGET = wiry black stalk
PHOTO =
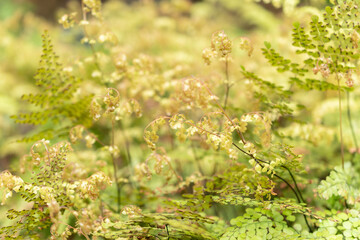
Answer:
(297, 193)
(118, 188)
(167, 231)
(227, 83)
(295, 183)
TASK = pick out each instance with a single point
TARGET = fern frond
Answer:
(57, 98)
(342, 183)
(271, 96)
(179, 225)
(335, 37)
(260, 224)
(278, 204)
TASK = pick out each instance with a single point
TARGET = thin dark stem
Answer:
(127, 143)
(290, 173)
(249, 154)
(351, 125)
(297, 193)
(115, 166)
(289, 185)
(128, 154)
(340, 119)
(227, 83)
(108, 205)
(167, 231)
(196, 158)
(295, 183)
(305, 218)
(260, 161)
(224, 112)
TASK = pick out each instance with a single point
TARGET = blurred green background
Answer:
(170, 35)
(175, 30)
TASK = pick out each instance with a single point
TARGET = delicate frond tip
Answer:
(57, 98)
(334, 37)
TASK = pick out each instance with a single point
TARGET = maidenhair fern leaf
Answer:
(56, 98)
(314, 84)
(332, 40)
(342, 183)
(339, 226)
(278, 204)
(330, 47)
(137, 225)
(260, 224)
(282, 64)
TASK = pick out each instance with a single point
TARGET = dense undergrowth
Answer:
(180, 120)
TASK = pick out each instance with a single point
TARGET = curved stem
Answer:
(305, 218)
(258, 161)
(227, 83)
(297, 193)
(108, 205)
(224, 112)
(295, 183)
(289, 185)
(167, 231)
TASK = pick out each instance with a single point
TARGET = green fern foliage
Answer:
(52, 198)
(281, 64)
(342, 183)
(332, 39)
(339, 226)
(41, 193)
(259, 224)
(330, 47)
(278, 204)
(271, 97)
(314, 84)
(173, 225)
(57, 97)
(249, 181)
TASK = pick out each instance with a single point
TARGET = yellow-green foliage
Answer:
(57, 98)
(51, 197)
(179, 129)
